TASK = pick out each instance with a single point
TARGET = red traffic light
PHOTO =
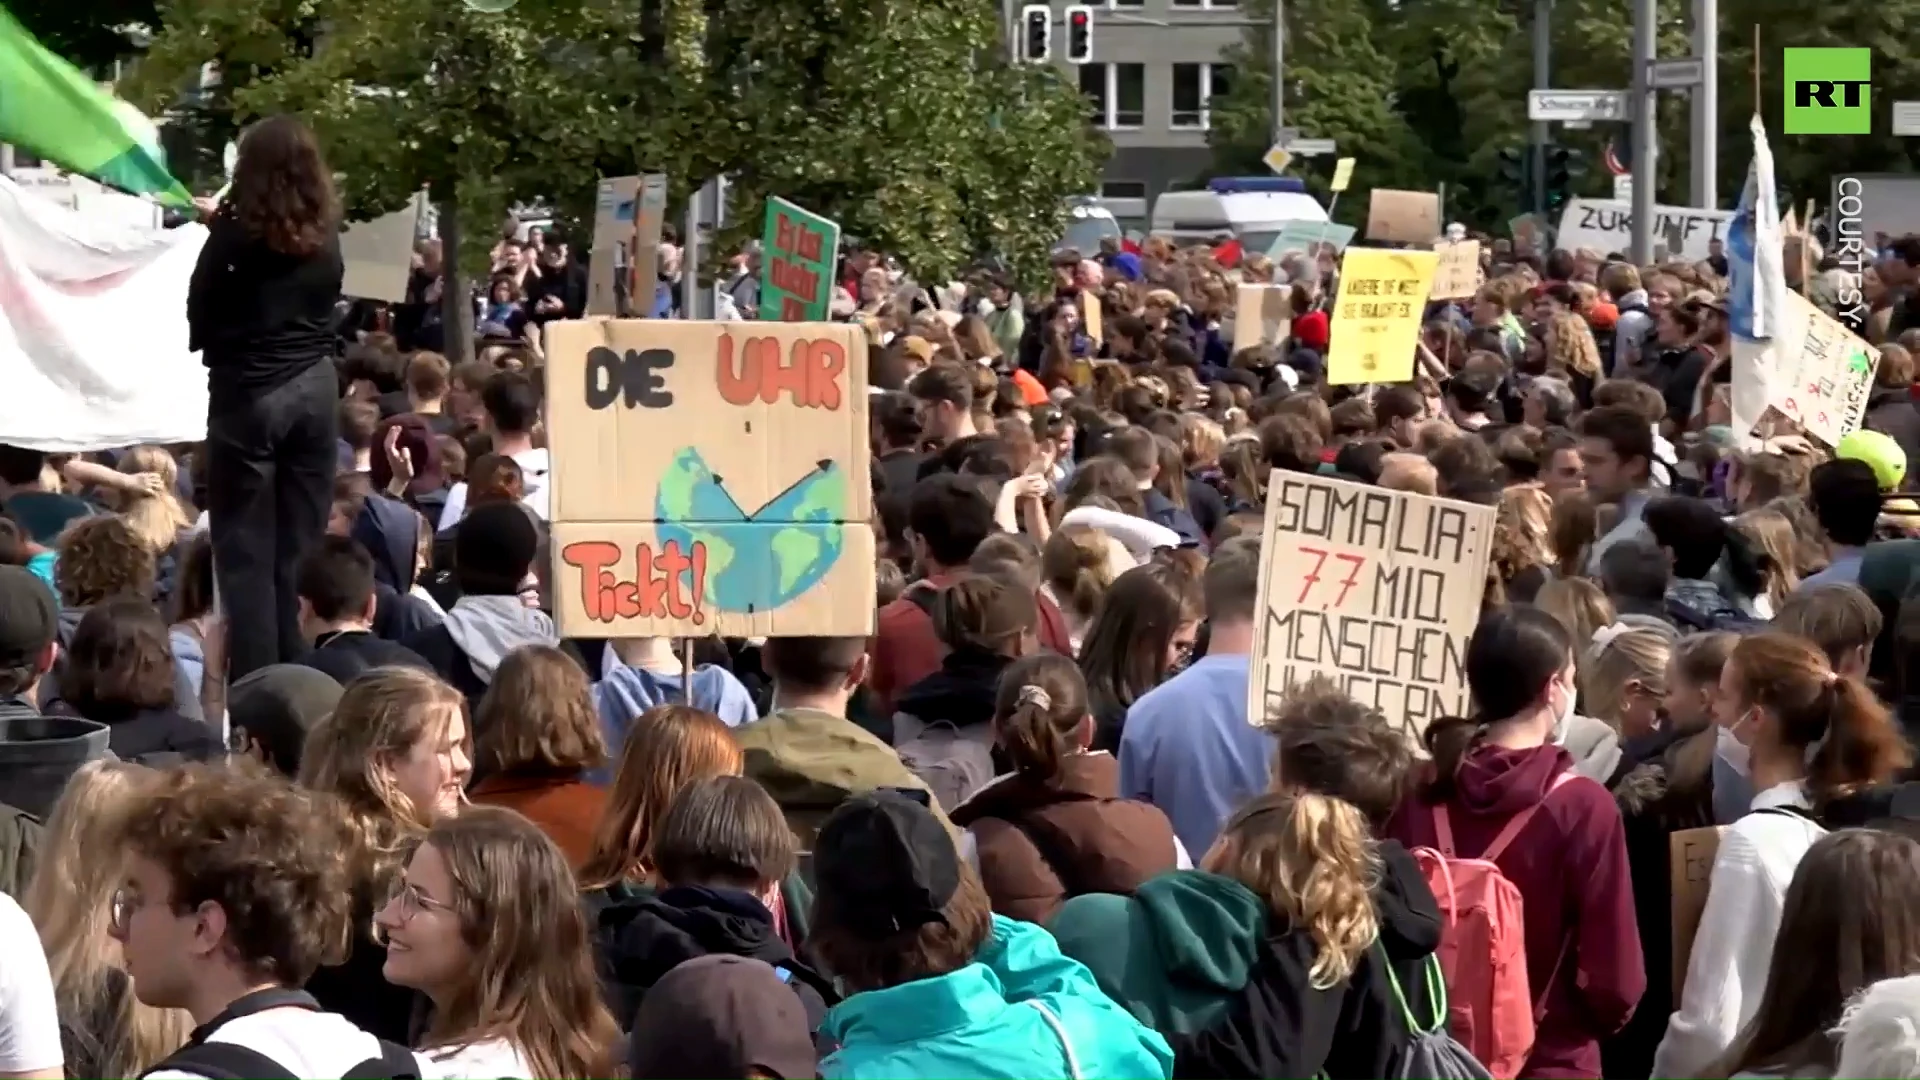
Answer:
(1081, 19)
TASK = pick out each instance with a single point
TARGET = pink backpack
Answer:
(1483, 946)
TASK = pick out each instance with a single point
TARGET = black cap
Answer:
(883, 863)
(29, 618)
(494, 548)
(720, 1017)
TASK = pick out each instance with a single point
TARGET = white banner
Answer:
(93, 329)
(1606, 225)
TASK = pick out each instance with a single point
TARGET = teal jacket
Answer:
(977, 1022)
(1174, 953)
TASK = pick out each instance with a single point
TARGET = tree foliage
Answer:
(1425, 92)
(899, 118)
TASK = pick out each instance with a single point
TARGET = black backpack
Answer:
(231, 1061)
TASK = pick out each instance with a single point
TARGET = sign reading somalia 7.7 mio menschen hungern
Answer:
(709, 478)
(1377, 590)
(796, 269)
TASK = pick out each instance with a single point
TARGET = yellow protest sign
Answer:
(1376, 315)
(1342, 175)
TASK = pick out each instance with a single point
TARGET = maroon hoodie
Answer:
(1570, 865)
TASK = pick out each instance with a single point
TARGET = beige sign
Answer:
(1692, 852)
(1262, 315)
(643, 266)
(1458, 274)
(1822, 374)
(1378, 590)
(378, 254)
(613, 210)
(709, 478)
(1403, 217)
(1092, 316)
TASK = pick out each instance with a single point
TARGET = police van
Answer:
(1251, 209)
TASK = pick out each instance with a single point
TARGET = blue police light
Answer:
(1257, 185)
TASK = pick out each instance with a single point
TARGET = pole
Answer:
(1542, 80)
(690, 258)
(1706, 106)
(1279, 67)
(1646, 25)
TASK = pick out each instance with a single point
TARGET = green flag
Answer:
(52, 110)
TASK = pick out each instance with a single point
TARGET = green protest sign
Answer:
(797, 263)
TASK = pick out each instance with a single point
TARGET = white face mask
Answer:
(1562, 713)
(984, 307)
(1728, 748)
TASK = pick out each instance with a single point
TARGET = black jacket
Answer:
(258, 317)
(160, 736)
(639, 940)
(344, 654)
(1282, 1026)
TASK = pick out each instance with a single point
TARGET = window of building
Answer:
(1194, 88)
(1123, 189)
(1126, 3)
(1206, 4)
(1116, 94)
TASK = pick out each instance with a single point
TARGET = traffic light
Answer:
(1516, 167)
(1079, 34)
(1563, 166)
(1036, 33)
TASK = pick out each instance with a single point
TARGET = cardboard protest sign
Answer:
(643, 266)
(709, 478)
(1692, 852)
(1376, 315)
(1459, 272)
(1378, 590)
(615, 204)
(1262, 315)
(1342, 175)
(1821, 373)
(1091, 317)
(378, 254)
(1403, 217)
(797, 264)
(1308, 236)
(1606, 226)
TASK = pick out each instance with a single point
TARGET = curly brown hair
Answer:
(270, 854)
(103, 557)
(282, 190)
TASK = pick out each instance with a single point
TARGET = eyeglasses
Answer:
(120, 909)
(409, 901)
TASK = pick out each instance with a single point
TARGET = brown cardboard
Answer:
(1403, 217)
(1378, 590)
(1692, 871)
(1459, 272)
(1090, 317)
(735, 438)
(643, 266)
(609, 232)
(1262, 315)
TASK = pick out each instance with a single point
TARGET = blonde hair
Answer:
(1523, 529)
(1622, 655)
(1311, 858)
(159, 519)
(1771, 533)
(70, 900)
(381, 716)
(667, 748)
(1580, 607)
(1570, 345)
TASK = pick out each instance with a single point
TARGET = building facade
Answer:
(1157, 65)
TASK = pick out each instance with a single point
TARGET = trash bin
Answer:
(39, 753)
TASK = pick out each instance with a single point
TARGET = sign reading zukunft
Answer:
(796, 275)
(1377, 590)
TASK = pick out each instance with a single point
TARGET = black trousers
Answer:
(270, 464)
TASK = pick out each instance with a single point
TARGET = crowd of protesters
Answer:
(353, 807)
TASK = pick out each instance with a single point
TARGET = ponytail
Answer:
(1447, 741)
(1861, 746)
(1039, 714)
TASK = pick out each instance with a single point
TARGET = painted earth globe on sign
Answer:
(762, 560)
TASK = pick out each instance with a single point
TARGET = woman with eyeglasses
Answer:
(1144, 632)
(485, 921)
(397, 752)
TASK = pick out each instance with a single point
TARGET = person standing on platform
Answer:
(260, 311)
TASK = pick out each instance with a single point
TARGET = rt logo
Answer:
(1829, 92)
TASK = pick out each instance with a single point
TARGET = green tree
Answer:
(90, 33)
(1340, 85)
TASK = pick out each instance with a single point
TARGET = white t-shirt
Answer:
(494, 1059)
(29, 1020)
(305, 1042)
(536, 467)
